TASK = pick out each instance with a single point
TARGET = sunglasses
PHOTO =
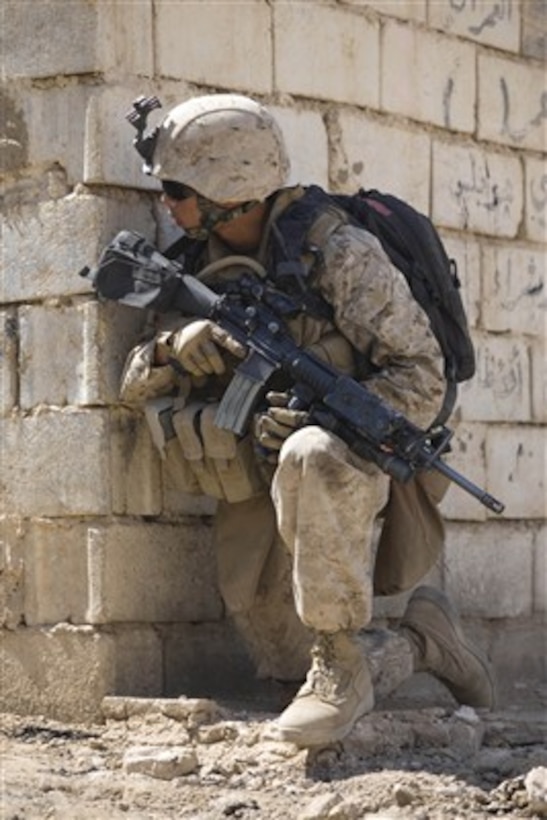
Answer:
(176, 190)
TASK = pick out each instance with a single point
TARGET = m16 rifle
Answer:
(133, 272)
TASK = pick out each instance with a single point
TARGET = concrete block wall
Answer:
(107, 574)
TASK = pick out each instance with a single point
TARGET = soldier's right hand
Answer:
(195, 346)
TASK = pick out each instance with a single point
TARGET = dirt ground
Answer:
(200, 759)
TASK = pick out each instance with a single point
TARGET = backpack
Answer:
(413, 246)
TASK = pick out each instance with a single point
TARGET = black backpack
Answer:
(412, 244)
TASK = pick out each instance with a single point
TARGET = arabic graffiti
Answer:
(447, 98)
(500, 372)
(538, 198)
(478, 190)
(518, 135)
(520, 282)
(498, 12)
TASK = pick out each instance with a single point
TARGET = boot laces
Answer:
(328, 677)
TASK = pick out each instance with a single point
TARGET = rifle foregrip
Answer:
(389, 463)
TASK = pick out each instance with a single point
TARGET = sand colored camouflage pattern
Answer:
(377, 313)
(327, 500)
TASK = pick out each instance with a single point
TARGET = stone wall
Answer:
(108, 577)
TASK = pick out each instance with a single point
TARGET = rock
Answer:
(217, 733)
(165, 763)
(236, 806)
(468, 714)
(535, 783)
(495, 760)
(192, 711)
(402, 795)
(466, 738)
(330, 807)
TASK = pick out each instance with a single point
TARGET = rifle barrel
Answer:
(481, 495)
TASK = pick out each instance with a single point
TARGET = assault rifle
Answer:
(135, 273)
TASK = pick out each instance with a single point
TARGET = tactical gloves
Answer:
(195, 346)
(272, 427)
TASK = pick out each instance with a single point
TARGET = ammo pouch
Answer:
(201, 458)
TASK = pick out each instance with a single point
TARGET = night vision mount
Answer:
(144, 142)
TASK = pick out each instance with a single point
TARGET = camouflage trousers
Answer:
(300, 558)
(326, 501)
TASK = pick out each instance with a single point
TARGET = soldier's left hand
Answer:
(272, 427)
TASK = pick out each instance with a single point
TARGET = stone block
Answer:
(516, 470)
(48, 125)
(540, 569)
(505, 113)
(36, 44)
(438, 82)
(514, 289)
(406, 9)
(8, 360)
(151, 573)
(64, 672)
(309, 64)
(44, 246)
(466, 252)
(55, 572)
(476, 190)
(534, 29)
(536, 199)
(486, 21)
(56, 463)
(123, 573)
(467, 457)
(136, 469)
(74, 354)
(102, 37)
(12, 572)
(539, 380)
(225, 44)
(126, 37)
(370, 154)
(307, 145)
(500, 388)
(488, 569)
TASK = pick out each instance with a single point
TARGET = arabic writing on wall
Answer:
(493, 23)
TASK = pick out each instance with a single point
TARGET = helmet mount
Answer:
(144, 143)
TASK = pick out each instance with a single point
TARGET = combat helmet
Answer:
(226, 147)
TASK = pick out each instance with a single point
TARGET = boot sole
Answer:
(438, 599)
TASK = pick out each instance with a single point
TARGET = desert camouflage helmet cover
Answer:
(226, 147)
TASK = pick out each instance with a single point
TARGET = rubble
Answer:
(193, 759)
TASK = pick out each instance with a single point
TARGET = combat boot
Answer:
(440, 647)
(337, 692)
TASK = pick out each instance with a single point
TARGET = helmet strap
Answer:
(213, 215)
